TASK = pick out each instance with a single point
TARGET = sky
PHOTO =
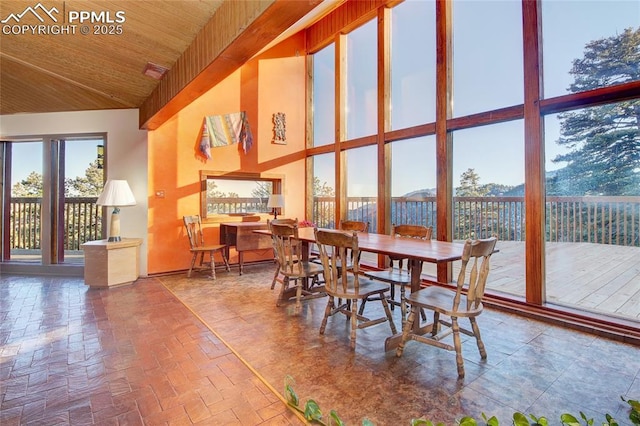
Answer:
(27, 157)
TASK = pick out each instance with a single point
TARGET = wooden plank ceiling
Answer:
(78, 72)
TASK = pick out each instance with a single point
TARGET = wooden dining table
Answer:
(416, 251)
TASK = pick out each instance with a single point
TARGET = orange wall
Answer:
(273, 82)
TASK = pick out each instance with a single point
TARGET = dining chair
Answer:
(342, 281)
(288, 249)
(399, 273)
(199, 248)
(464, 301)
(277, 276)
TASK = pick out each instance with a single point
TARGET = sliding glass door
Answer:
(49, 199)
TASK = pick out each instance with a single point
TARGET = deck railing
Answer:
(82, 222)
(604, 220)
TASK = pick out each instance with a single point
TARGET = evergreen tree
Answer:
(470, 185)
(604, 141)
(89, 185)
(31, 186)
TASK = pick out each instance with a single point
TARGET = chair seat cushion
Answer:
(391, 275)
(440, 299)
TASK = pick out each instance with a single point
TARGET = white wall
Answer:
(126, 154)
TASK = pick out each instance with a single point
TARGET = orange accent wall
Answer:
(272, 82)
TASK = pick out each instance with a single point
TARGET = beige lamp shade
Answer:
(276, 201)
(116, 193)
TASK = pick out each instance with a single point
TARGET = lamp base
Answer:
(114, 230)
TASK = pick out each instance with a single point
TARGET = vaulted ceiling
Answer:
(51, 60)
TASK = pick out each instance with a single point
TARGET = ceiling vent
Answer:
(154, 71)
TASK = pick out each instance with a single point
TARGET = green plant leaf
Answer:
(539, 421)
(610, 420)
(468, 421)
(493, 421)
(584, 417)
(333, 415)
(289, 393)
(569, 420)
(367, 422)
(312, 411)
(520, 419)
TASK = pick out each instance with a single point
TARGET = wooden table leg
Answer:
(392, 342)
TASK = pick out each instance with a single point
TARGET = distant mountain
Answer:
(425, 192)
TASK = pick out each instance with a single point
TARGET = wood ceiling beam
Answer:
(236, 32)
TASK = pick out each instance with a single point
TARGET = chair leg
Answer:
(457, 344)
(193, 262)
(225, 260)
(354, 323)
(403, 301)
(392, 297)
(406, 329)
(476, 332)
(213, 265)
(275, 276)
(361, 310)
(387, 311)
(298, 282)
(436, 324)
(283, 289)
(327, 312)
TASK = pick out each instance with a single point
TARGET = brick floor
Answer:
(132, 355)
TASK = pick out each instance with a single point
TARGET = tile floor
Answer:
(172, 350)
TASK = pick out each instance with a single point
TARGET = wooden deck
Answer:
(594, 277)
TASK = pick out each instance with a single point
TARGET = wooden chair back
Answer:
(475, 257)
(336, 249)
(418, 232)
(287, 246)
(193, 227)
(354, 225)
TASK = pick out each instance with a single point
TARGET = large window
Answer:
(574, 156)
(362, 84)
(324, 192)
(593, 208)
(487, 56)
(604, 36)
(488, 181)
(324, 95)
(413, 181)
(362, 185)
(413, 76)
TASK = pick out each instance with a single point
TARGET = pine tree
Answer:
(604, 141)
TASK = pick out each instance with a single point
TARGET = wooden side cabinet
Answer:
(111, 264)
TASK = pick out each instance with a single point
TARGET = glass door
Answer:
(23, 207)
(49, 202)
